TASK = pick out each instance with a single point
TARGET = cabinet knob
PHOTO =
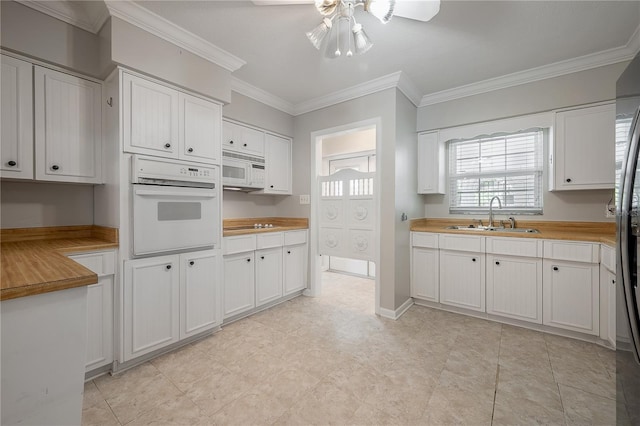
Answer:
(190, 150)
(55, 167)
(191, 263)
(230, 142)
(613, 281)
(168, 267)
(249, 260)
(167, 145)
(244, 144)
(497, 263)
(474, 259)
(262, 257)
(555, 268)
(12, 163)
(288, 251)
(568, 179)
(271, 186)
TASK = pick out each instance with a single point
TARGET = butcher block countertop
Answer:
(597, 232)
(244, 226)
(34, 262)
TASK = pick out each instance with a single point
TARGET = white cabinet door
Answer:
(583, 148)
(16, 124)
(200, 129)
(150, 117)
(100, 323)
(295, 268)
(68, 127)
(570, 292)
(425, 274)
(277, 165)
(151, 304)
(514, 287)
(199, 295)
(239, 284)
(430, 164)
(242, 139)
(268, 275)
(462, 279)
(611, 320)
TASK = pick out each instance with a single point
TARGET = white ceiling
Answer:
(466, 43)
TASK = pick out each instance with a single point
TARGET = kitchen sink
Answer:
(494, 228)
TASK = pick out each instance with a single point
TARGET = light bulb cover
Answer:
(362, 41)
(318, 34)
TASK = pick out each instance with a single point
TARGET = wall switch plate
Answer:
(305, 199)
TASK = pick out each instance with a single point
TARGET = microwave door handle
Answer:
(144, 192)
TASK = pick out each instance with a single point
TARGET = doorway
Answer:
(341, 152)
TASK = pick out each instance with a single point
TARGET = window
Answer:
(509, 166)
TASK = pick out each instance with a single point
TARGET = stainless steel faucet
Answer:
(491, 209)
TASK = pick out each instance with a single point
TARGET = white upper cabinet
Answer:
(16, 150)
(68, 127)
(582, 152)
(431, 167)
(200, 131)
(277, 165)
(242, 139)
(150, 113)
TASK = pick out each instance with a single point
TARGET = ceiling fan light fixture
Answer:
(381, 9)
(318, 34)
(327, 7)
(362, 41)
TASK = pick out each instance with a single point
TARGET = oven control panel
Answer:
(162, 171)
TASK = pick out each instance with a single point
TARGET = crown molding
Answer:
(167, 30)
(409, 88)
(581, 63)
(253, 92)
(65, 13)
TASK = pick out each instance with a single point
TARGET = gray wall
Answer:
(239, 204)
(250, 111)
(32, 33)
(579, 88)
(30, 204)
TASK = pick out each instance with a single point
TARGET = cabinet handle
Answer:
(191, 263)
(167, 145)
(288, 251)
(613, 281)
(474, 259)
(555, 268)
(168, 267)
(230, 142)
(12, 163)
(190, 150)
(244, 144)
(55, 167)
(497, 263)
(262, 257)
(568, 179)
(249, 260)
(271, 186)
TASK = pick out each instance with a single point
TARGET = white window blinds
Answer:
(509, 166)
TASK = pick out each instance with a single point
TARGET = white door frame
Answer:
(315, 262)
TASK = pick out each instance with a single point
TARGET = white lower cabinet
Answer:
(268, 272)
(166, 298)
(425, 274)
(295, 268)
(571, 299)
(462, 279)
(610, 284)
(99, 308)
(239, 283)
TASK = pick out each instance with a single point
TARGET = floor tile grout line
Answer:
(495, 389)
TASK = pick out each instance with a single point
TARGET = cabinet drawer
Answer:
(461, 242)
(239, 244)
(514, 246)
(273, 239)
(102, 263)
(572, 251)
(608, 257)
(295, 237)
(424, 239)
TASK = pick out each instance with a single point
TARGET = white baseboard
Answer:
(394, 315)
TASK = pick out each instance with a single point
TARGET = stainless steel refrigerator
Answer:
(628, 241)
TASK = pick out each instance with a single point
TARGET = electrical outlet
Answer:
(305, 199)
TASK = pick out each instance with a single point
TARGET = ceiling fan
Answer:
(339, 29)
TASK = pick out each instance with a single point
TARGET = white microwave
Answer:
(242, 171)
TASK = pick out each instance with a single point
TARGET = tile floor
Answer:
(330, 360)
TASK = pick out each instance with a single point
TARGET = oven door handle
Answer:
(190, 194)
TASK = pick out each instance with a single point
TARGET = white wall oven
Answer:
(242, 171)
(175, 206)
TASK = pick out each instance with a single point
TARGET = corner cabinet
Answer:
(277, 165)
(425, 268)
(582, 152)
(431, 165)
(68, 127)
(163, 121)
(16, 125)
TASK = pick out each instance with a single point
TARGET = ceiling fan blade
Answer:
(280, 2)
(419, 10)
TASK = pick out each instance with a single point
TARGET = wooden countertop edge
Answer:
(234, 232)
(48, 287)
